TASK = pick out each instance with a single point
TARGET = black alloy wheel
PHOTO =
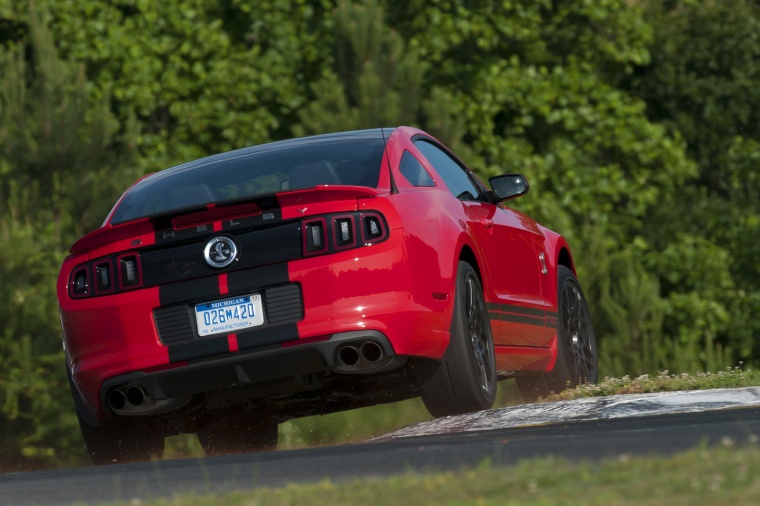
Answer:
(577, 334)
(577, 362)
(479, 329)
(465, 379)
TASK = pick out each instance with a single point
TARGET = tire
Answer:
(465, 379)
(577, 361)
(121, 442)
(233, 434)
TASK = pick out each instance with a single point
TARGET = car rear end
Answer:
(257, 274)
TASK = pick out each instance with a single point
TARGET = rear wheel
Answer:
(465, 380)
(234, 433)
(576, 344)
(117, 441)
(122, 442)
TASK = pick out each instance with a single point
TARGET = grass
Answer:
(663, 382)
(704, 476)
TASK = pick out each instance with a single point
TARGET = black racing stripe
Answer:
(539, 322)
(214, 358)
(196, 349)
(254, 279)
(174, 263)
(167, 234)
(267, 335)
(202, 289)
(257, 247)
(511, 308)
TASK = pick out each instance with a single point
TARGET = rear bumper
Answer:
(113, 340)
(237, 370)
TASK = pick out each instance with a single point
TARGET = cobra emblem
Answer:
(220, 252)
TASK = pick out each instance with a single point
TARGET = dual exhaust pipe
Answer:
(120, 399)
(367, 356)
(134, 400)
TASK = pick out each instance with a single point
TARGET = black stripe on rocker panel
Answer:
(253, 279)
(528, 320)
(200, 290)
(512, 308)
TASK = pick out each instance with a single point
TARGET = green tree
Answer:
(374, 78)
(201, 76)
(702, 82)
(63, 163)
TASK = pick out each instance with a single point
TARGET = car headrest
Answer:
(309, 175)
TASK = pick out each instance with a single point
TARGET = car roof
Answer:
(373, 133)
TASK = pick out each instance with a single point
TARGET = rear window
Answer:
(354, 162)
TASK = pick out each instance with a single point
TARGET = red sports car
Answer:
(225, 295)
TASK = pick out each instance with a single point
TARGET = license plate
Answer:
(229, 315)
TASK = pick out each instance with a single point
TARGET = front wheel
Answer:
(465, 380)
(576, 344)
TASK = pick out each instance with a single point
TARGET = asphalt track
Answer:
(576, 441)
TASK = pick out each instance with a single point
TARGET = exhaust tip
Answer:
(116, 399)
(135, 396)
(371, 351)
(348, 356)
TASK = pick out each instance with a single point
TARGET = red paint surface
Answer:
(232, 342)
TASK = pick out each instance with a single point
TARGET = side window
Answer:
(453, 174)
(414, 172)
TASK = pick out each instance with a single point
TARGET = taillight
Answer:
(130, 275)
(106, 275)
(79, 284)
(336, 232)
(314, 236)
(373, 228)
(343, 231)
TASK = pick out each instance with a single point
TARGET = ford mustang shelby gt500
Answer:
(225, 295)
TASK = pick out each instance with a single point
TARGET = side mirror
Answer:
(509, 186)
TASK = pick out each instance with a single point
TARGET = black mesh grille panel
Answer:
(282, 304)
(173, 323)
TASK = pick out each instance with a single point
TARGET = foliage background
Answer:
(636, 122)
